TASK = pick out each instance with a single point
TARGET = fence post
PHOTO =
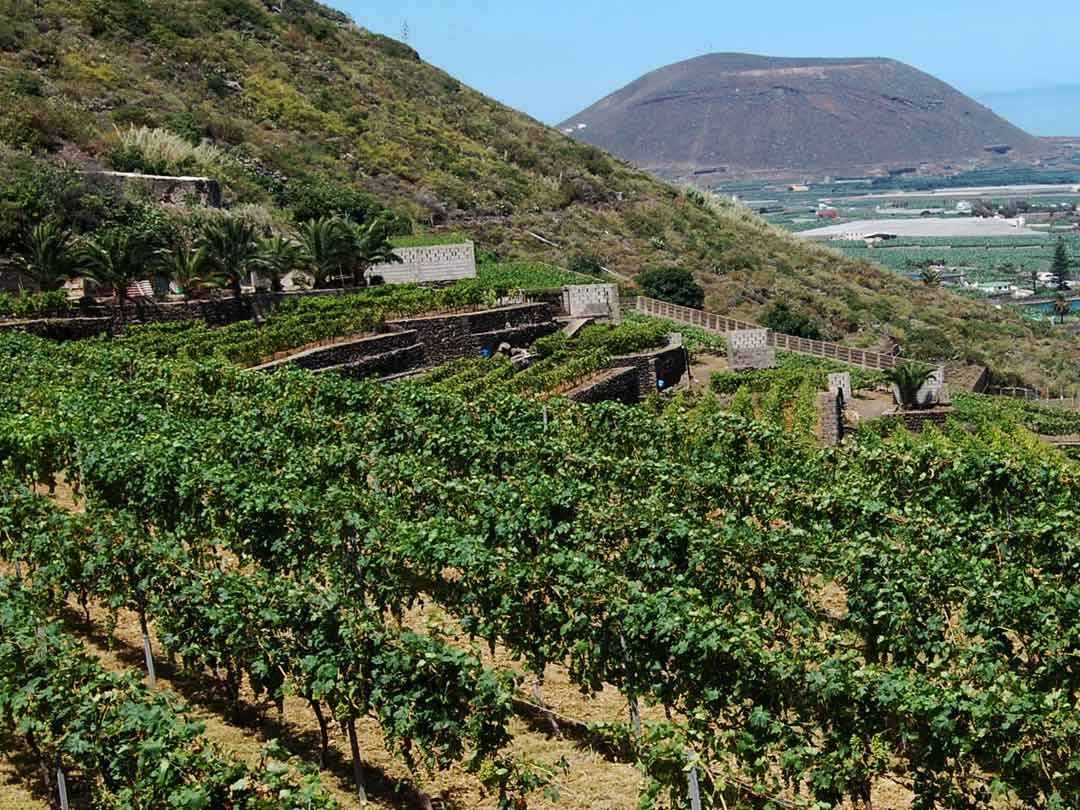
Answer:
(695, 788)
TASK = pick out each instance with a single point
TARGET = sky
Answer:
(552, 59)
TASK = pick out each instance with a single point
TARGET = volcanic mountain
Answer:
(737, 113)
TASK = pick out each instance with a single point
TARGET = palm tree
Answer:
(184, 265)
(115, 259)
(908, 380)
(1061, 307)
(278, 256)
(232, 250)
(372, 243)
(50, 257)
(326, 246)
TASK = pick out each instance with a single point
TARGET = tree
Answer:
(1061, 307)
(326, 245)
(184, 265)
(781, 318)
(278, 256)
(232, 251)
(1060, 265)
(371, 246)
(116, 259)
(50, 257)
(908, 380)
(672, 284)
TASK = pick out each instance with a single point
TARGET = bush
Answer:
(315, 197)
(674, 285)
(585, 263)
(780, 318)
(32, 303)
(159, 151)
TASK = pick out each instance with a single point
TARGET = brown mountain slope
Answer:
(751, 113)
(304, 107)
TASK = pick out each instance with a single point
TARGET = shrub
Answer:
(742, 404)
(159, 151)
(674, 285)
(585, 263)
(33, 303)
(312, 198)
(780, 318)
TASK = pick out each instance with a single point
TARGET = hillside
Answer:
(304, 111)
(740, 112)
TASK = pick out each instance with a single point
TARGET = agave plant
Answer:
(231, 247)
(908, 380)
(50, 257)
(930, 277)
(278, 256)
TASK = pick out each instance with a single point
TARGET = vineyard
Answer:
(789, 626)
(985, 259)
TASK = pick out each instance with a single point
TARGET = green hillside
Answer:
(303, 111)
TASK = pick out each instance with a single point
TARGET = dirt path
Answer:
(868, 405)
(703, 367)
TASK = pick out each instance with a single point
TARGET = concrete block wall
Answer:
(600, 300)
(422, 265)
(749, 348)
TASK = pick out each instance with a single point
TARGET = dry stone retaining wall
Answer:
(203, 191)
(346, 353)
(831, 406)
(614, 385)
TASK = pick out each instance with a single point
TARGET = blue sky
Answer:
(551, 59)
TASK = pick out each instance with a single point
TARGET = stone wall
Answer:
(916, 421)
(203, 191)
(614, 385)
(384, 364)
(345, 353)
(449, 337)
(424, 265)
(667, 364)
(831, 407)
(61, 329)
(516, 336)
(841, 381)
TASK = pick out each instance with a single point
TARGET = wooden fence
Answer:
(815, 348)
